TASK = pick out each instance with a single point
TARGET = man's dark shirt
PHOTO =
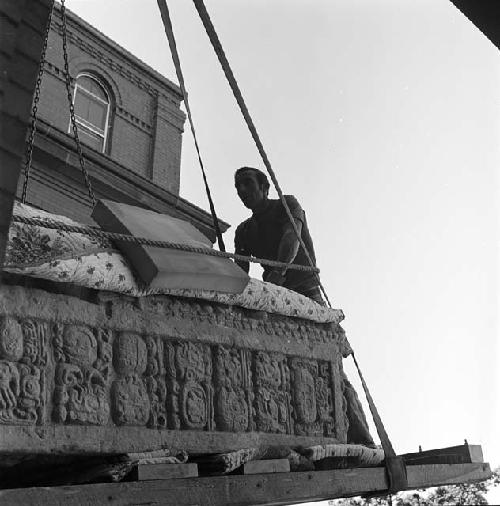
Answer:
(261, 234)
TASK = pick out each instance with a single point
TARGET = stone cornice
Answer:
(172, 115)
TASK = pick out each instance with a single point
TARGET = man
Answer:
(269, 234)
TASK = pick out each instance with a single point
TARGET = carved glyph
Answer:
(23, 357)
(190, 376)
(156, 382)
(233, 390)
(82, 366)
(130, 402)
(129, 397)
(311, 397)
(272, 393)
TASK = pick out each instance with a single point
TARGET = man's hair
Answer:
(261, 177)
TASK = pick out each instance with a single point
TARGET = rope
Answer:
(167, 23)
(395, 466)
(214, 39)
(95, 232)
(382, 433)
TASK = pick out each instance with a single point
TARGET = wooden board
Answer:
(165, 267)
(163, 471)
(267, 466)
(462, 454)
(244, 490)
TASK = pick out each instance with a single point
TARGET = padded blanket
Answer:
(95, 263)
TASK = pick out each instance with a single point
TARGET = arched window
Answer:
(92, 105)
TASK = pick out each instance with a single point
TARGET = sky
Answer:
(382, 118)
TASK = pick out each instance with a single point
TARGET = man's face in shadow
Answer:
(251, 192)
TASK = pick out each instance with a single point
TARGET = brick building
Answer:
(130, 124)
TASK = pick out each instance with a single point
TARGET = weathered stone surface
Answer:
(137, 374)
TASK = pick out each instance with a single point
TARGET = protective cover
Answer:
(164, 267)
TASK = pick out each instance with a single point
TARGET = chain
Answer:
(67, 79)
(97, 232)
(34, 110)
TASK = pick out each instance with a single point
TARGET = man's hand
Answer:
(276, 277)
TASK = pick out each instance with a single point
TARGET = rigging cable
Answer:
(167, 23)
(113, 236)
(214, 39)
(395, 466)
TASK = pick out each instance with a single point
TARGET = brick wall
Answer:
(141, 165)
(146, 123)
(22, 26)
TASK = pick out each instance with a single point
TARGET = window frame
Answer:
(86, 125)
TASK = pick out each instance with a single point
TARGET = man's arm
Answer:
(240, 249)
(287, 251)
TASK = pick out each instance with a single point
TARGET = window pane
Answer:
(82, 104)
(93, 86)
(89, 138)
(91, 104)
(90, 110)
(97, 115)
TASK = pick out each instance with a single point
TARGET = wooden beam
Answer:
(244, 490)
(463, 454)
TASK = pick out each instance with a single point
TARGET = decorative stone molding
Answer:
(110, 62)
(134, 120)
(54, 71)
(163, 364)
(171, 114)
(120, 111)
(81, 64)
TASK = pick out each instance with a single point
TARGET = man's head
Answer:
(252, 186)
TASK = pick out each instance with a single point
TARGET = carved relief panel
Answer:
(311, 397)
(82, 370)
(101, 376)
(129, 397)
(272, 393)
(23, 359)
(191, 396)
(155, 382)
(233, 390)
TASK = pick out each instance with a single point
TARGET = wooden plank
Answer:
(244, 490)
(431, 475)
(462, 454)
(267, 466)
(164, 471)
